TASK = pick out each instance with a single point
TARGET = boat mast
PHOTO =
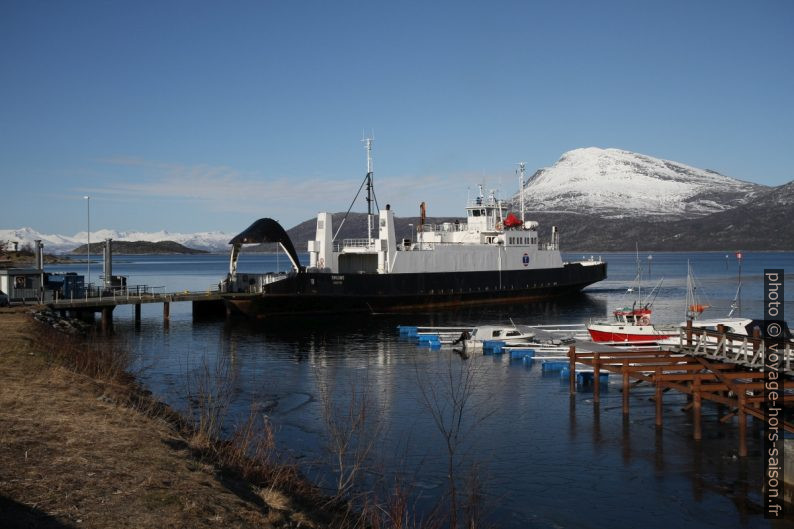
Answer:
(522, 168)
(368, 147)
(639, 272)
(691, 298)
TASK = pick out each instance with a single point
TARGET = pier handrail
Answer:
(730, 347)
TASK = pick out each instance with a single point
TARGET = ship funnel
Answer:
(107, 263)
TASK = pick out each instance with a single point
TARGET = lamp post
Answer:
(88, 235)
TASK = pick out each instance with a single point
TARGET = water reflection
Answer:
(542, 450)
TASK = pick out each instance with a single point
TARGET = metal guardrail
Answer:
(358, 243)
(130, 297)
(445, 227)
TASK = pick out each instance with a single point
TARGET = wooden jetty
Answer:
(705, 366)
(210, 302)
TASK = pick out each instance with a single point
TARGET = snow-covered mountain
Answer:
(615, 183)
(211, 241)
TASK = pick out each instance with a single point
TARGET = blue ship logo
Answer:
(525, 259)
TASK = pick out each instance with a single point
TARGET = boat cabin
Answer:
(629, 316)
(492, 332)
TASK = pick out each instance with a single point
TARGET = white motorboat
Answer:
(512, 335)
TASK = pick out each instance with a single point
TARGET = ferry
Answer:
(492, 257)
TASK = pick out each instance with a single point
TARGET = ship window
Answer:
(513, 333)
(475, 213)
(496, 334)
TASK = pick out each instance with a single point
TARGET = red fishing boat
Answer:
(631, 325)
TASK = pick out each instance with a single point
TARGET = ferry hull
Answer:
(325, 293)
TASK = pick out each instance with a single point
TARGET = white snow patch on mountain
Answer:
(618, 183)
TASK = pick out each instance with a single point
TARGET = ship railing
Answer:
(445, 227)
(355, 243)
(548, 246)
(587, 261)
(485, 201)
(273, 277)
(424, 246)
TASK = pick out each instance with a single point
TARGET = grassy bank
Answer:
(82, 446)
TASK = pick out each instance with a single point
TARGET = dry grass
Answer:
(79, 445)
(82, 446)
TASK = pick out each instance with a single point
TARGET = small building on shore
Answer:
(21, 284)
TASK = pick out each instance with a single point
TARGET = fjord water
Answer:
(544, 460)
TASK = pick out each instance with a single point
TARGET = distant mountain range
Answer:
(212, 241)
(601, 199)
(138, 248)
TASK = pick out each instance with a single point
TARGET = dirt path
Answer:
(71, 455)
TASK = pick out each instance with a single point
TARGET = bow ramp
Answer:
(261, 231)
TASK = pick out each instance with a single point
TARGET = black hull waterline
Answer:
(326, 293)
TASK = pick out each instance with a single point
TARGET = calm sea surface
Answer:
(544, 460)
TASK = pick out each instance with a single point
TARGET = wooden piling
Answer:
(137, 313)
(742, 427)
(697, 434)
(596, 379)
(166, 310)
(689, 332)
(722, 383)
(626, 388)
(657, 379)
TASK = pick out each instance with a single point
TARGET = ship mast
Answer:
(522, 168)
(368, 147)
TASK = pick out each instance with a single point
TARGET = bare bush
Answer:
(209, 395)
(449, 396)
(353, 428)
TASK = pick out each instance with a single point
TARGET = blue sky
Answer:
(193, 116)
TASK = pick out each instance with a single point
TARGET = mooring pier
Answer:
(205, 303)
(705, 365)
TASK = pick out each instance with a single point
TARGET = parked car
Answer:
(3, 299)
